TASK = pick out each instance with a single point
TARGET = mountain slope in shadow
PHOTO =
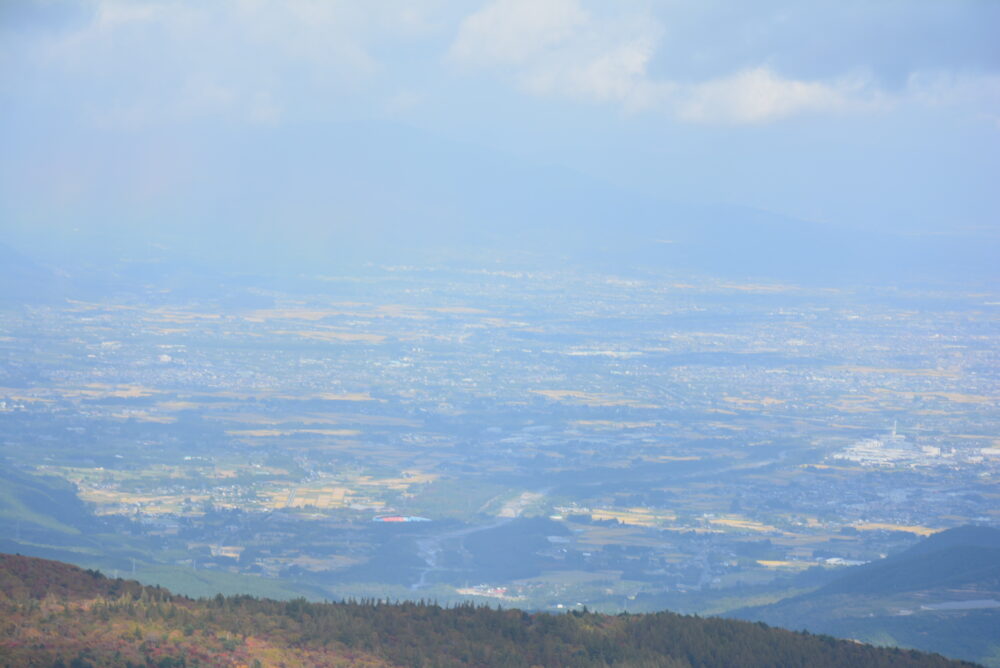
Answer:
(942, 595)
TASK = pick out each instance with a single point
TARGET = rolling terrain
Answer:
(56, 614)
(942, 594)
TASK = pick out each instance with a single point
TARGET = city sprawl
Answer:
(573, 438)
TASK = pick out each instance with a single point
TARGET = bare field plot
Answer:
(591, 398)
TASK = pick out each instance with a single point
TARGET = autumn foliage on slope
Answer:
(53, 614)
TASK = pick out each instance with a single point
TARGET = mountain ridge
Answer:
(56, 613)
(933, 596)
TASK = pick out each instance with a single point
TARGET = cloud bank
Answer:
(562, 49)
(838, 111)
(147, 61)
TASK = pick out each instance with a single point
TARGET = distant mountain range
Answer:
(324, 197)
(55, 614)
(941, 595)
(24, 280)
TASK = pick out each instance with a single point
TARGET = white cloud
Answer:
(514, 32)
(559, 48)
(616, 75)
(138, 62)
(759, 95)
(141, 62)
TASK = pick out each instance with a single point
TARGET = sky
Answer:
(852, 114)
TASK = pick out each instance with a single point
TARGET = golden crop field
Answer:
(644, 517)
(742, 523)
(325, 497)
(881, 526)
(108, 502)
(670, 458)
(144, 416)
(261, 433)
(791, 565)
(342, 492)
(956, 397)
(591, 398)
(612, 424)
(90, 391)
(742, 402)
(335, 335)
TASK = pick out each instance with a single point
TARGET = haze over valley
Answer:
(547, 307)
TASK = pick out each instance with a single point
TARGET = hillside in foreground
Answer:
(55, 614)
(941, 595)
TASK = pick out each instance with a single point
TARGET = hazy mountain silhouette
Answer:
(318, 197)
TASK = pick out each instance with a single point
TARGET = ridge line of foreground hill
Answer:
(55, 614)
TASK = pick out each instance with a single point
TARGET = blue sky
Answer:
(856, 114)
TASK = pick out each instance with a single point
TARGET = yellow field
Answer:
(956, 397)
(334, 335)
(318, 497)
(747, 403)
(102, 487)
(105, 391)
(726, 425)
(742, 523)
(793, 565)
(467, 310)
(877, 526)
(407, 480)
(643, 517)
(312, 418)
(110, 501)
(590, 398)
(172, 406)
(362, 490)
(344, 396)
(611, 424)
(261, 433)
(144, 416)
(669, 458)
(13, 395)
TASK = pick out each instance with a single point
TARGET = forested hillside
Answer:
(938, 596)
(54, 614)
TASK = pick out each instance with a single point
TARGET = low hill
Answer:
(57, 614)
(942, 595)
(25, 281)
(42, 516)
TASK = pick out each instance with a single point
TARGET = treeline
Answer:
(53, 614)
